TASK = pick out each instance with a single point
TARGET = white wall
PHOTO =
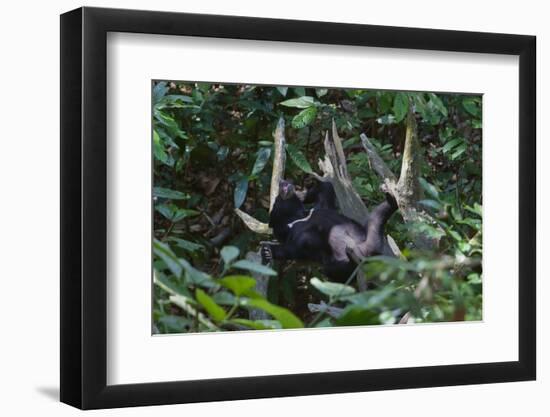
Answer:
(29, 212)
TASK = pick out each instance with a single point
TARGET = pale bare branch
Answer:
(339, 149)
(407, 189)
(377, 163)
(254, 224)
(394, 248)
(334, 167)
(408, 185)
(279, 158)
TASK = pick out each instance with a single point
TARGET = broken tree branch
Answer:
(335, 170)
(254, 224)
(376, 162)
(406, 189)
(279, 158)
(337, 143)
(394, 248)
(408, 185)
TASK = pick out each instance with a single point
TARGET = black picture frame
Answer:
(84, 207)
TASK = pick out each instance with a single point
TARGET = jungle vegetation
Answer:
(214, 149)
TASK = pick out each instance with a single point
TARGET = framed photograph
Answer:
(259, 208)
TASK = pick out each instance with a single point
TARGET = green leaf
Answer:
(169, 123)
(271, 324)
(224, 298)
(158, 149)
(304, 118)
(455, 235)
(261, 160)
(400, 106)
(183, 301)
(384, 99)
(365, 113)
(476, 209)
(169, 286)
(371, 299)
(459, 151)
(427, 110)
(174, 324)
(282, 90)
(436, 205)
(252, 294)
(175, 101)
(254, 267)
(174, 213)
(229, 254)
(159, 90)
(320, 92)
(287, 319)
(326, 322)
(253, 324)
(173, 98)
(386, 317)
(213, 309)
(166, 139)
(464, 246)
(451, 144)
(299, 103)
(298, 158)
(197, 277)
(473, 223)
(429, 188)
(471, 106)
(438, 104)
(181, 214)
(241, 188)
(474, 278)
(332, 289)
(387, 119)
(299, 91)
(186, 244)
(163, 251)
(239, 284)
(169, 194)
(356, 315)
(166, 211)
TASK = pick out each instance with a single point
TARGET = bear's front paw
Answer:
(267, 254)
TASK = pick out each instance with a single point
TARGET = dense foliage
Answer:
(213, 152)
